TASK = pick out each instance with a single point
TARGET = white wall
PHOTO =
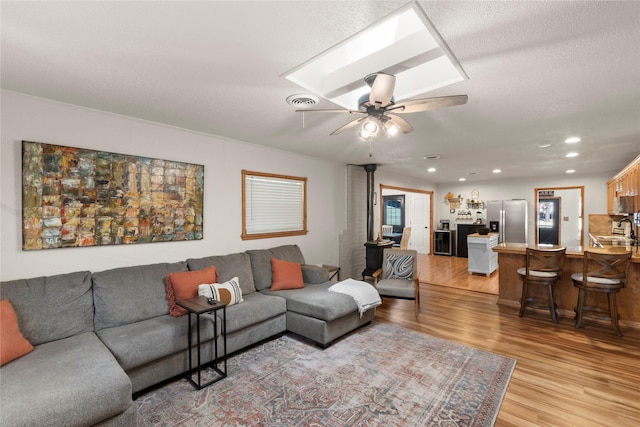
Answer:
(34, 119)
(595, 195)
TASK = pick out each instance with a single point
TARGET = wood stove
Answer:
(374, 256)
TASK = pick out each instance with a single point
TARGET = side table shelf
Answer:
(199, 305)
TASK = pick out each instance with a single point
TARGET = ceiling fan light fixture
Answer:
(364, 136)
(390, 128)
(369, 128)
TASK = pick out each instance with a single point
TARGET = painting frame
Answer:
(78, 197)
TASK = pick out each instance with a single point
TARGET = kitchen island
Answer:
(511, 256)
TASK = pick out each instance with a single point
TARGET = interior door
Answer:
(418, 219)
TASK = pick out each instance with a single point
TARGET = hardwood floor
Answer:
(452, 271)
(563, 376)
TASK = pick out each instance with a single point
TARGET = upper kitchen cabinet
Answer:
(625, 183)
(611, 195)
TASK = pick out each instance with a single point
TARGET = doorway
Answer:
(418, 214)
(549, 221)
(567, 215)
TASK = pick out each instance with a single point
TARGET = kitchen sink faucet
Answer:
(632, 235)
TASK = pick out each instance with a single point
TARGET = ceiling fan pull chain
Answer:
(370, 155)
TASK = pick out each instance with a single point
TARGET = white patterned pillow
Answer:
(227, 292)
(399, 267)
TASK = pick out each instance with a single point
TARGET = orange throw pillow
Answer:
(14, 344)
(286, 275)
(184, 284)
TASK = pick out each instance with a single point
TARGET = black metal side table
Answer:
(199, 305)
(333, 271)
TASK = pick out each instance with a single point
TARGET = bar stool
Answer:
(605, 273)
(542, 267)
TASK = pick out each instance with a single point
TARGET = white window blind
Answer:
(273, 205)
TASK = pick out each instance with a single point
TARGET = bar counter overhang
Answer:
(511, 256)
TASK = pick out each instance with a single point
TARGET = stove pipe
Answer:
(370, 169)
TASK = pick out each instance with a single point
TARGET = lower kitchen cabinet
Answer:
(482, 258)
(463, 230)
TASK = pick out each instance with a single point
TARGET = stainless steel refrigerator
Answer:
(509, 219)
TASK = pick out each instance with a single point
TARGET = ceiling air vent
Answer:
(302, 100)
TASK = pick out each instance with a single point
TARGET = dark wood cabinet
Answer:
(463, 231)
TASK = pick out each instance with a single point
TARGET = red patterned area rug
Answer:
(380, 375)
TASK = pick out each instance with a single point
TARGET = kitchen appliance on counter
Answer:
(508, 218)
(622, 228)
(444, 224)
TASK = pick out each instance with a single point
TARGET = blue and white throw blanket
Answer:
(364, 294)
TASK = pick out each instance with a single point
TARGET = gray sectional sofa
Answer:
(100, 338)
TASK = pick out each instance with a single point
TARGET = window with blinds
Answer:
(273, 205)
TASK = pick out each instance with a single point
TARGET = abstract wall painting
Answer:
(74, 197)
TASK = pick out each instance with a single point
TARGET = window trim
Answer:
(303, 231)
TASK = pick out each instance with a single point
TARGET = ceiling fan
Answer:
(380, 111)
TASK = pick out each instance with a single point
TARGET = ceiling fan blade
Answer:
(382, 90)
(403, 125)
(348, 126)
(425, 104)
(335, 110)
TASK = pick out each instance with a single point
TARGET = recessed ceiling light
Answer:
(572, 140)
(405, 43)
(572, 154)
(462, 179)
(431, 170)
(571, 170)
(544, 145)
(496, 170)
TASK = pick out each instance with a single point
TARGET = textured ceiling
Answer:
(538, 73)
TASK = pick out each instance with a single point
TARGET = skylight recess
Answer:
(404, 44)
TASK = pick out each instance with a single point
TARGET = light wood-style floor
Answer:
(452, 272)
(563, 376)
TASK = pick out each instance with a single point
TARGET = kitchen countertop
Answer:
(572, 251)
(482, 235)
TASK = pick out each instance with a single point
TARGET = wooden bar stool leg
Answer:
(552, 305)
(581, 293)
(613, 309)
(523, 299)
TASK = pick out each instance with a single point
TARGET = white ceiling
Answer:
(538, 72)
